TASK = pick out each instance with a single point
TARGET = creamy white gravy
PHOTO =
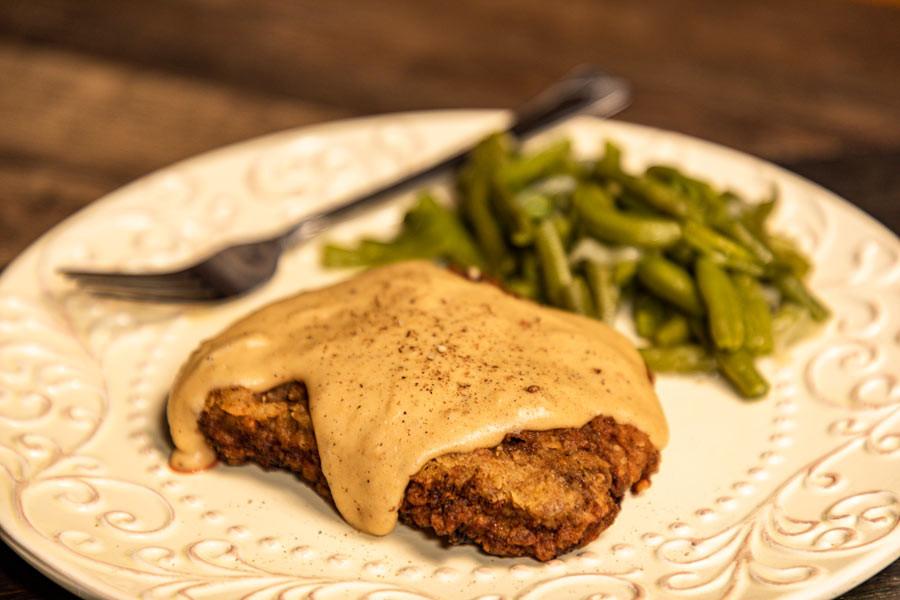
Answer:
(407, 362)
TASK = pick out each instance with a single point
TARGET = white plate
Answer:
(797, 496)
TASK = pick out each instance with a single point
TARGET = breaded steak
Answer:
(539, 493)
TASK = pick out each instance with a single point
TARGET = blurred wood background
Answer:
(98, 92)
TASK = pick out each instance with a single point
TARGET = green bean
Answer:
(518, 222)
(624, 272)
(794, 290)
(487, 161)
(519, 286)
(588, 193)
(403, 248)
(522, 170)
(702, 199)
(755, 216)
(740, 233)
(577, 297)
(736, 264)
(632, 204)
(491, 152)
(648, 313)
(564, 228)
(429, 222)
(702, 190)
(429, 231)
(658, 195)
(686, 358)
(554, 264)
(600, 219)
(739, 369)
(613, 188)
(673, 331)
(558, 186)
(787, 256)
(682, 253)
(726, 322)
(618, 227)
(537, 205)
(612, 157)
(376, 252)
(669, 174)
(476, 209)
(718, 211)
(339, 257)
(757, 315)
(707, 240)
(529, 272)
(589, 248)
(605, 292)
(700, 331)
(671, 283)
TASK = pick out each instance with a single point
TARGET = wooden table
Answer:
(98, 92)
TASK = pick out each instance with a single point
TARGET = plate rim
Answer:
(97, 589)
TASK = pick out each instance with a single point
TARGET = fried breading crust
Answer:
(539, 493)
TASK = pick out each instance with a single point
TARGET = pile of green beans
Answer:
(710, 288)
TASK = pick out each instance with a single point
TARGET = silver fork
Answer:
(237, 269)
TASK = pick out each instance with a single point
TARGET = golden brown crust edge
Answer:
(539, 493)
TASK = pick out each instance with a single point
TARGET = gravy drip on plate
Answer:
(407, 362)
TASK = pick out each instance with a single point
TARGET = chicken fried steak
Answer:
(539, 493)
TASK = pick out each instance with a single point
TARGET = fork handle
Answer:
(583, 89)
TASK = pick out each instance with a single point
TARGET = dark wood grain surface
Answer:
(96, 93)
